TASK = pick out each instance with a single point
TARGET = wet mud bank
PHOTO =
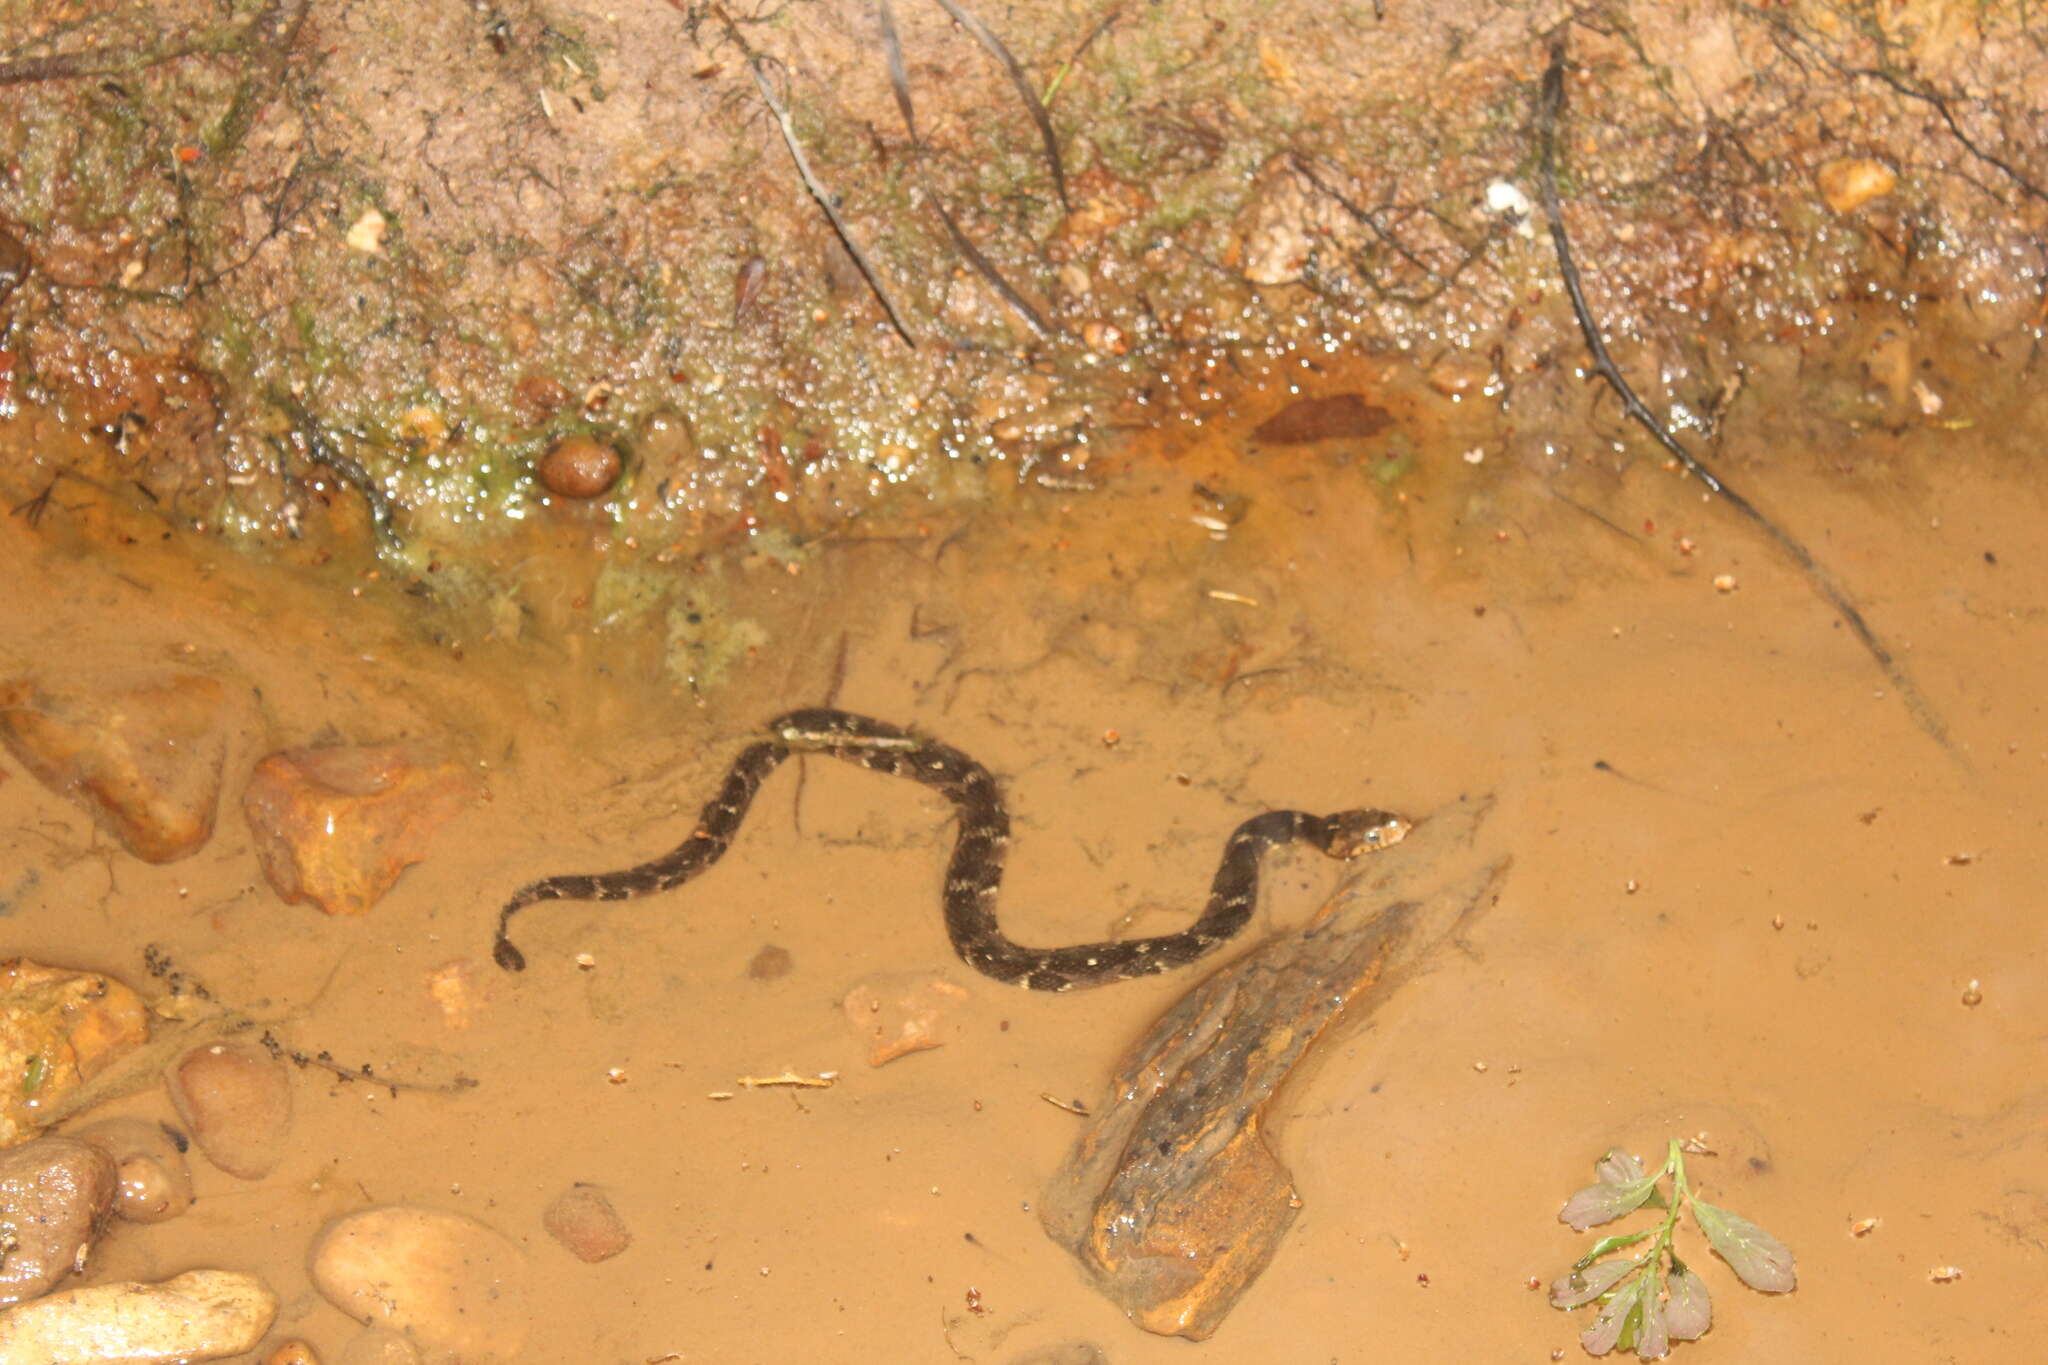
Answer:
(319, 273)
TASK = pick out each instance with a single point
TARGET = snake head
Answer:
(1353, 832)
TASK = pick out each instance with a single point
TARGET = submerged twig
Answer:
(819, 193)
(32, 510)
(984, 35)
(1550, 107)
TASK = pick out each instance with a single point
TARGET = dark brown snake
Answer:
(976, 869)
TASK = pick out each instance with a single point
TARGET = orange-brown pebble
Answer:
(292, 1353)
(579, 467)
(583, 1220)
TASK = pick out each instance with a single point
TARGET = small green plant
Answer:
(1650, 1299)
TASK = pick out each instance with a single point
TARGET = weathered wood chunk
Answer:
(1171, 1198)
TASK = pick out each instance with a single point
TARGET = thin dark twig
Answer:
(1550, 107)
(984, 35)
(819, 193)
(987, 270)
(321, 450)
(899, 79)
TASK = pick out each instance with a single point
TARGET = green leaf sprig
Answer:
(1652, 1298)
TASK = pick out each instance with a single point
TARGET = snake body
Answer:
(976, 869)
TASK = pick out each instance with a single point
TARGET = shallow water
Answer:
(1748, 893)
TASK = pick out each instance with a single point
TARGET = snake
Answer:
(976, 868)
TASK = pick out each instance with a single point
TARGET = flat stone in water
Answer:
(199, 1315)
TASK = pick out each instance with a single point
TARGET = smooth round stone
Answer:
(236, 1099)
(450, 1283)
(155, 1183)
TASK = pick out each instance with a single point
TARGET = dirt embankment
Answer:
(311, 268)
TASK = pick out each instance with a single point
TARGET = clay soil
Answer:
(1749, 895)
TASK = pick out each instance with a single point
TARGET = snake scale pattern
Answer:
(976, 869)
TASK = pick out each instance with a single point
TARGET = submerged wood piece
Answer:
(1172, 1199)
(1308, 420)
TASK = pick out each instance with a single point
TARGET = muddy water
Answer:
(1748, 896)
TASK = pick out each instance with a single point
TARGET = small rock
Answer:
(453, 988)
(366, 234)
(423, 428)
(583, 1220)
(1850, 182)
(55, 1193)
(579, 467)
(380, 1346)
(449, 1282)
(199, 1315)
(336, 826)
(58, 1029)
(144, 759)
(237, 1101)
(1287, 218)
(770, 964)
(1104, 338)
(293, 1352)
(154, 1182)
(900, 1012)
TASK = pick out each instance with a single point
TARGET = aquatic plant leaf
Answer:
(1689, 1312)
(1623, 1188)
(1653, 1339)
(1585, 1284)
(1761, 1260)
(1611, 1242)
(1618, 1168)
(1618, 1321)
